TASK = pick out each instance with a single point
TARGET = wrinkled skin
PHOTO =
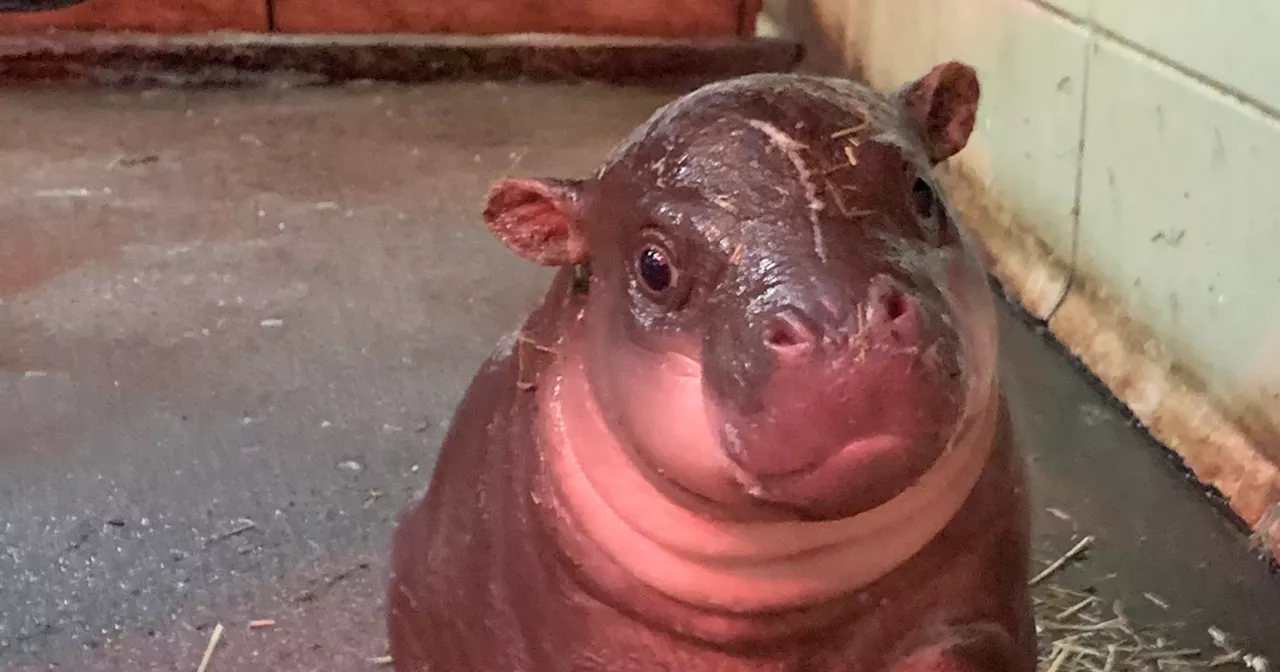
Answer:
(765, 434)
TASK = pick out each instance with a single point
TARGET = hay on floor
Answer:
(1079, 631)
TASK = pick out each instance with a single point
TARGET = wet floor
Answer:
(234, 328)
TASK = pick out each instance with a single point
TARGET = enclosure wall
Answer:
(1125, 176)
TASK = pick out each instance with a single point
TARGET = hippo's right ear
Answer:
(538, 219)
(942, 108)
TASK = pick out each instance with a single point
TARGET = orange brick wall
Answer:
(152, 16)
(665, 18)
(650, 18)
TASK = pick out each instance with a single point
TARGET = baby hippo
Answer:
(755, 425)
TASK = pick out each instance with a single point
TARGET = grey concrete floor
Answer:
(234, 328)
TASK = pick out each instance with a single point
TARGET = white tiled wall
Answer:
(1180, 213)
(1032, 67)
(1159, 120)
(1228, 44)
(1077, 8)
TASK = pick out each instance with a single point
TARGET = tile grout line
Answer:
(1245, 100)
(1078, 187)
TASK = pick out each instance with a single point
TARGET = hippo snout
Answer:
(839, 398)
(889, 316)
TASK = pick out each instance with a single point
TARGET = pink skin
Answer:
(602, 495)
(668, 504)
(767, 436)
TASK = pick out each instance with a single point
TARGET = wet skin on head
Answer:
(771, 288)
(767, 413)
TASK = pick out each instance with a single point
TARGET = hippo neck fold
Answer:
(604, 505)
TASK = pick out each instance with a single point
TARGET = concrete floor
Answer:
(234, 328)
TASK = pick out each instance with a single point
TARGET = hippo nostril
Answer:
(895, 306)
(788, 335)
(887, 303)
(894, 309)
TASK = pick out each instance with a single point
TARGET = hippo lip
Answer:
(817, 435)
(862, 403)
(837, 485)
(852, 452)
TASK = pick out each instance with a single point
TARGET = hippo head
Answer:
(783, 314)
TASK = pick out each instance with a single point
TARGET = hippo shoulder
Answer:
(467, 551)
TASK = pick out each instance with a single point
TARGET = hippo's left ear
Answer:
(942, 107)
(538, 219)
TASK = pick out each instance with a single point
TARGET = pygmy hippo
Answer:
(755, 425)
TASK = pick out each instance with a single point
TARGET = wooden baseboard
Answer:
(117, 59)
(1173, 406)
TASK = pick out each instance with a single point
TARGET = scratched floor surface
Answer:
(232, 330)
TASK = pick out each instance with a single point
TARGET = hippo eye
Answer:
(928, 209)
(923, 200)
(655, 269)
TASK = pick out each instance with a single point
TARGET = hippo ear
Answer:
(942, 108)
(538, 219)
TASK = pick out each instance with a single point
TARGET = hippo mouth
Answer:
(667, 502)
(841, 442)
(822, 489)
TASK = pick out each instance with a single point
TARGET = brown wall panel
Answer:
(649, 18)
(155, 16)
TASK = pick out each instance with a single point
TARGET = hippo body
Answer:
(765, 434)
